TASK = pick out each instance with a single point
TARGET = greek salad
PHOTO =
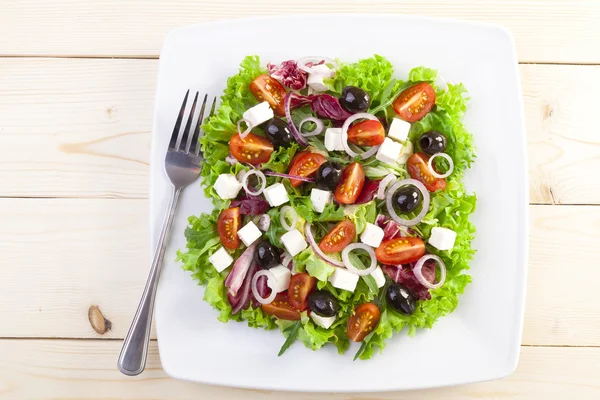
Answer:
(339, 209)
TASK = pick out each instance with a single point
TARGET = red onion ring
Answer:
(257, 296)
(447, 158)
(418, 271)
(280, 175)
(424, 209)
(317, 250)
(318, 129)
(287, 261)
(345, 128)
(261, 177)
(305, 60)
(284, 224)
(352, 268)
(239, 128)
(264, 222)
(389, 178)
(288, 114)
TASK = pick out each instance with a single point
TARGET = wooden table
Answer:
(77, 81)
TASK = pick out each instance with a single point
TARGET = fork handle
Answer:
(132, 359)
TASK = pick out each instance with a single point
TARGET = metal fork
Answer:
(182, 165)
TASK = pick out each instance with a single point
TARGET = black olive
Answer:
(329, 175)
(432, 142)
(266, 255)
(407, 198)
(355, 100)
(323, 303)
(401, 298)
(278, 132)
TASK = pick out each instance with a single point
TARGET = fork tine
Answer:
(185, 138)
(195, 145)
(212, 108)
(175, 134)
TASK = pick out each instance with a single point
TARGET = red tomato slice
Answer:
(415, 102)
(305, 166)
(364, 320)
(282, 308)
(265, 88)
(301, 285)
(419, 169)
(351, 184)
(252, 149)
(401, 250)
(339, 237)
(228, 224)
(366, 133)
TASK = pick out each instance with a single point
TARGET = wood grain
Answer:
(91, 131)
(50, 369)
(559, 31)
(61, 256)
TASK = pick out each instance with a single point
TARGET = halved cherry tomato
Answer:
(297, 156)
(252, 149)
(363, 322)
(305, 166)
(350, 185)
(419, 169)
(265, 88)
(301, 285)
(415, 102)
(282, 308)
(228, 224)
(366, 133)
(339, 237)
(401, 250)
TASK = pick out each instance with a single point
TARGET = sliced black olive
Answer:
(266, 255)
(401, 299)
(432, 142)
(278, 132)
(323, 303)
(407, 199)
(355, 100)
(328, 175)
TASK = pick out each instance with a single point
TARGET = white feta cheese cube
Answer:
(220, 259)
(227, 186)
(372, 235)
(282, 279)
(406, 152)
(276, 195)
(249, 233)
(315, 78)
(319, 199)
(294, 242)
(258, 114)
(324, 322)
(399, 130)
(442, 238)
(333, 139)
(378, 276)
(388, 151)
(342, 279)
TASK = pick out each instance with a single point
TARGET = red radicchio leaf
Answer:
(251, 205)
(288, 74)
(391, 229)
(403, 274)
(368, 191)
(327, 106)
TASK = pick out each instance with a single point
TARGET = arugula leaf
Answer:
(292, 334)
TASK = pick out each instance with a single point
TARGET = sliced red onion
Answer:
(248, 128)
(264, 222)
(287, 261)
(345, 128)
(417, 270)
(255, 292)
(390, 206)
(288, 114)
(311, 59)
(282, 214)
(280, 175)
(352, 268)
(318, 129)
(262, 182)
(231, 160)
(317, 249)
(390, 178)
(240, 268)
(243, 296)
(447, 158)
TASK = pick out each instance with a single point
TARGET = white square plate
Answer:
(481, 339)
